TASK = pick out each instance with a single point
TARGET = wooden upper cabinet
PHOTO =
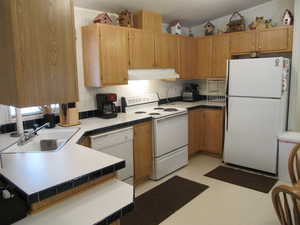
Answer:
(38, 56)
(291, 36)
(147, 20)
(183, 67)
(188, 57)
(194, 58)
(142, 49)
(166, 50)
(205, 54)
(114, 54)
(105, 55)
(142, 146)
(274, 40)
(221, 53)
(242, 42)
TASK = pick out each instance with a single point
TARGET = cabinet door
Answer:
(205, 52)
(188, 58)
(220, 55)
(38, 54)
(183, 69)
(147, 20)
(291, 33)
(243, 42)
(214, 123)
(141, 45)
(114, 55)
(142, 151)
(276, 39)
(193, 58)
(166, 51)
(196, 131)
(193, 136)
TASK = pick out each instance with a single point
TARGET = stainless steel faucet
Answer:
(24, 139)
(27, 137)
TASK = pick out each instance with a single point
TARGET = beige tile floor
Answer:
(221, 204)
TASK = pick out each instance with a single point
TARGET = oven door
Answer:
(170, 133)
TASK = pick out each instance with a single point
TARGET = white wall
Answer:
(270, 10)
(87, 95)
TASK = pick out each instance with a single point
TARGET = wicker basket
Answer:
(236, 25)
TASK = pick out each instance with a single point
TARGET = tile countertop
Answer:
(100, 205)
(191, 105)
(35, 172)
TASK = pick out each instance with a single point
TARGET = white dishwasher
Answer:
(118, 143)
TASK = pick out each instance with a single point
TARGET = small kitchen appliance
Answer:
(106, 106)
(191, 93)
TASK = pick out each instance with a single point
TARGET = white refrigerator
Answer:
(256, 112)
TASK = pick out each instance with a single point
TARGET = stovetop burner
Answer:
(140, 112)
(159, 108)
(154, 114)
(170, 110)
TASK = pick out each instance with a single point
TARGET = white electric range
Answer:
(170, 133)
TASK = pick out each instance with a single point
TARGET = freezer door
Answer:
(256, 77)
(251, 134)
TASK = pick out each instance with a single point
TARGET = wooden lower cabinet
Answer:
(214, 130)
(206, 131)
(196, 129)
(142, 147)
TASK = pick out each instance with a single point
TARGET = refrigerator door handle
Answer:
(227, 113)
(227, 93)
(227, 78)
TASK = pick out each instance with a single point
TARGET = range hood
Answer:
(152, 74)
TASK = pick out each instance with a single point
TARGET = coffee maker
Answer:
(190, 93)
(106, 106)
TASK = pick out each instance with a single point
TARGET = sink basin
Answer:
(61, 135)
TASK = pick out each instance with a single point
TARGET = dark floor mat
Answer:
(154, 206)
(241, 178)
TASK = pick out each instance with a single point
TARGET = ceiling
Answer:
(190, 12)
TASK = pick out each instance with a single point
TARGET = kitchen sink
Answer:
(60, 136)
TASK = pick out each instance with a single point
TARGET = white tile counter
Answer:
(34, 172)
(87, 208)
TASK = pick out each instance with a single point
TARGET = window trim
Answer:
(31, 116)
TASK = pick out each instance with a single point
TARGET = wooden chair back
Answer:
(286, 203)
(294, 165)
